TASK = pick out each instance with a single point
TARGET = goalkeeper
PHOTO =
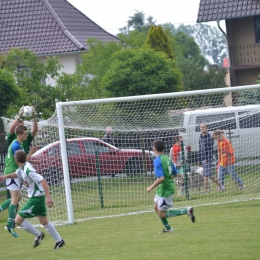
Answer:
(11, 136)
(31, 134)
(13, 185)
(165, 172)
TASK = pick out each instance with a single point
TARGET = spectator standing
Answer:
(205, 156)
(175, 152)
(107, 137)
(226, 160)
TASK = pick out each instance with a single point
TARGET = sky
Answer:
(112, 15)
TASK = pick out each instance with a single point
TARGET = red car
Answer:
(82, 159)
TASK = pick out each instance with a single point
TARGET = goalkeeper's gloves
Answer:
(34, 114)
(20, 114)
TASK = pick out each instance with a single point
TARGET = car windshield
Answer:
(45, 148)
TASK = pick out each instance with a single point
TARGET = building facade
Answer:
(242, 19)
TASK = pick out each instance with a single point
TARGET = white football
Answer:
(200, 171)
(27, 112)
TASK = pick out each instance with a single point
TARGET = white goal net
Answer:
(93, 175)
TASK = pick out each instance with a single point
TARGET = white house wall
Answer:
(68, 63)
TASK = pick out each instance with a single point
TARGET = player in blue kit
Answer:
(165, 172)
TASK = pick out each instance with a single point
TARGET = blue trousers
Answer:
(223, 171)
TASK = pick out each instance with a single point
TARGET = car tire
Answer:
(133, 166)
(53, 176)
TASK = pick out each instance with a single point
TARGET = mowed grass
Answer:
(226, 231)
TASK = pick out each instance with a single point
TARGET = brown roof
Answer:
(213, 10)
(46, 27)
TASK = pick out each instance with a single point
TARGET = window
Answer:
(55, 150)
(73, 148)
(102, 148)
(92, 147)
(247, 120)
(89, 147)
(257, 29)
(217, 121)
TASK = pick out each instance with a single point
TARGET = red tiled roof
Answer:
(46, 27)
(213, 10)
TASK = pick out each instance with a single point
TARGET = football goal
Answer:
(97, 154)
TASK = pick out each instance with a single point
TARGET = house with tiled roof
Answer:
(48, 27)
(242, 21)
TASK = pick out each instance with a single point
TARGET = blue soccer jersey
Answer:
(164, 167)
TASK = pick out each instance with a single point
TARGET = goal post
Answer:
(65, 167)
(200, 94)
(92, 177)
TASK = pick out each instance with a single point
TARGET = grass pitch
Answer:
(227, 231)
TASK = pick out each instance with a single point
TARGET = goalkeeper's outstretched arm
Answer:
(35, 122)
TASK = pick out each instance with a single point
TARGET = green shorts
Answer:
(34, 207)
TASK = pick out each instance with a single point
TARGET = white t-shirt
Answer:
(31, 180)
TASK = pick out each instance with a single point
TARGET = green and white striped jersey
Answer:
(31, 180)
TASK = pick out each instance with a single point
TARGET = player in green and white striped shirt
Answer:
(39, 195)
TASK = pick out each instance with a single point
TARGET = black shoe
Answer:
(190, 214)
(59, 244)
(38, 239)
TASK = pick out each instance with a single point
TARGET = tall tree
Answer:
(158, 40)
(137, 21)
(212, 42)
(94, 64)
(140, 72)
(187, 49)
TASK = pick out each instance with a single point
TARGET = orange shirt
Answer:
(175, 152)
(225, 153)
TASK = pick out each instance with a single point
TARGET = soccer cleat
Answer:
(167, 231)
(11, 230)
(38, 239)
(190, 214)
(59, 244)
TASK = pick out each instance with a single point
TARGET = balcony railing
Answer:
(244, 55)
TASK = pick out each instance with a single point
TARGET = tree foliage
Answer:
(189, 58)
(30, 73)
(9, 92)
(138, 22)
(94, 64)
(133, 39)
(171, 60)
(211, 41)
(158, 40)
(140, 72)
(251, 97)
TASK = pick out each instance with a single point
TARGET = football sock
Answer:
(15, 214)
(26, 225)
(175, 212)
(165, 223)
(53, 232)
(11, 215)
(5, 205)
